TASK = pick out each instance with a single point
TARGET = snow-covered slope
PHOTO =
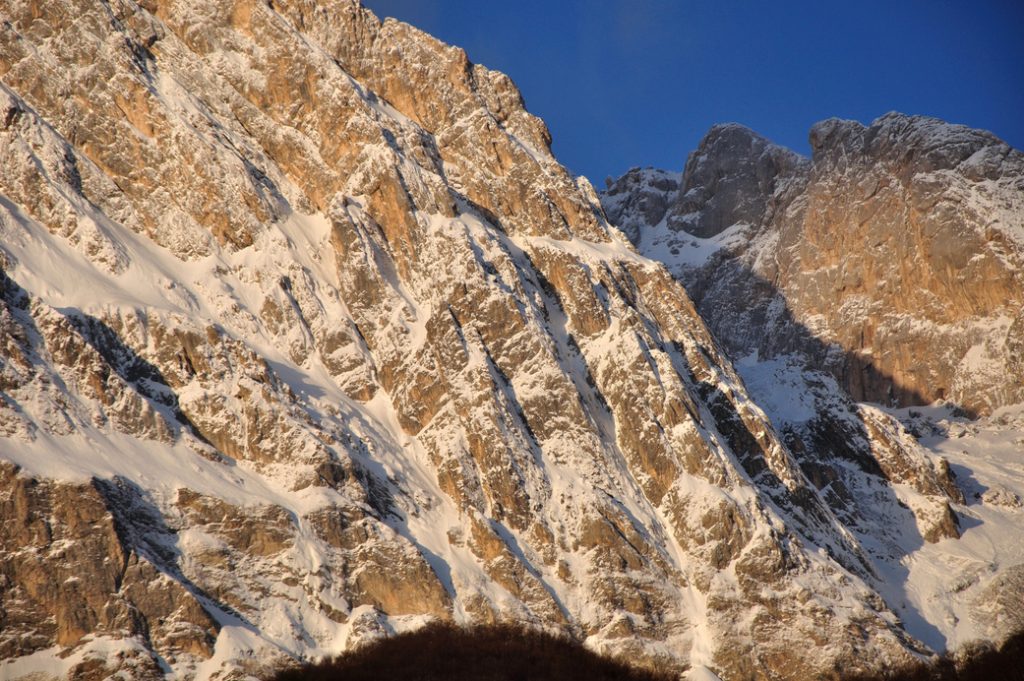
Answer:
(307, 338)
(893, 257)
(969, 589)
(887, 268)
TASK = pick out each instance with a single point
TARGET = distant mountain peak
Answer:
(306, 338)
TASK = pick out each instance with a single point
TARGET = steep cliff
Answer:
(886, 269)
(307, 338)
(893, 258)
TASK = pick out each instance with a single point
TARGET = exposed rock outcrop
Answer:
(307, 338)
(888, 269)
(892, 259)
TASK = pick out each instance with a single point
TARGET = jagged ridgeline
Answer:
(893, 258)
(307, 339)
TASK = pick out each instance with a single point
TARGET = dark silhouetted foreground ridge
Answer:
(508, 653)
(979, 662)
(450, 653)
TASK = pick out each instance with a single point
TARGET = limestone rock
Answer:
(307, 336)
(886, 269)
(892, 258)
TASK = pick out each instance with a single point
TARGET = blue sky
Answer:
(622, 83)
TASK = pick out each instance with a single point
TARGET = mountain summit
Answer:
(307, 339)
(897, 250)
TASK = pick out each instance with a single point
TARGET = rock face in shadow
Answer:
(893, 258)
(305, 331)
(888, 268)
(731, 178)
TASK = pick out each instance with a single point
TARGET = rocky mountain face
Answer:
(892, 258)
(307, 339)
(888, 268)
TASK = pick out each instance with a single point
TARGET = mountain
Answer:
(307, 339)
(894, 257)
(885, 269)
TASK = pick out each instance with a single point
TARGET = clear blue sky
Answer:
(622, 83)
